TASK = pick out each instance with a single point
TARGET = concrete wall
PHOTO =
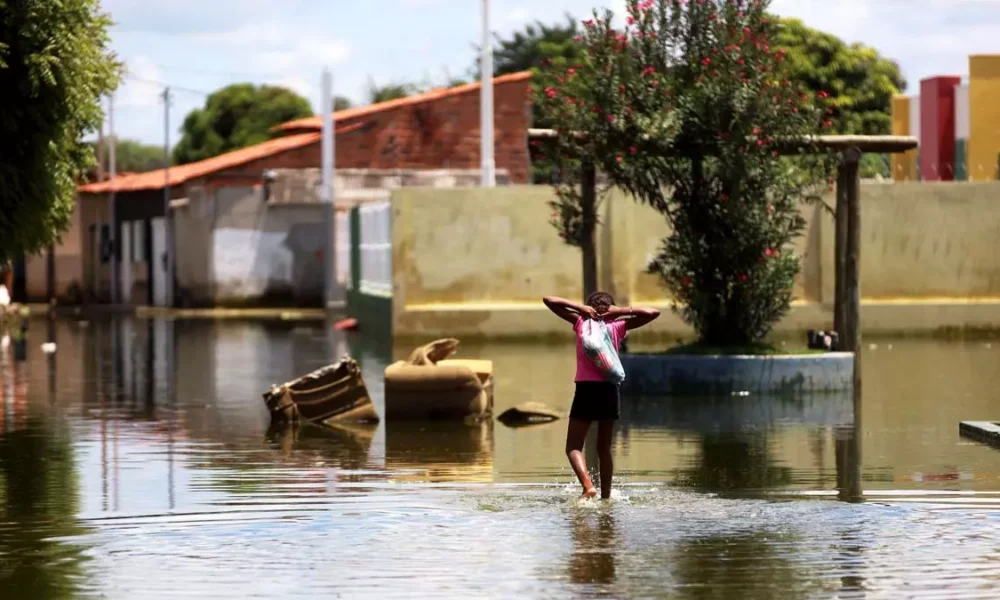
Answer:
(69, 280)
(475, 261)
(233, 247)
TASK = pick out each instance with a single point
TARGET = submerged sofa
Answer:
(430, 386)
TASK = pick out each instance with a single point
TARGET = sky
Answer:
(198, 46)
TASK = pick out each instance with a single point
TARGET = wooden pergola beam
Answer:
(865, 143)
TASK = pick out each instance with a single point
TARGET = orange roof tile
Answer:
(155, 180)
(316, 123)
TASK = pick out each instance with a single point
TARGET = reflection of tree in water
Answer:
(594, 546)
(735, 461)
(38, 502)
(743, 565)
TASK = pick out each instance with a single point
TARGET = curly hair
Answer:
(600, 301)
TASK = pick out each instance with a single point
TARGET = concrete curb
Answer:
(690, 375)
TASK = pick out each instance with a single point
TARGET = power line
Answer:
(165, 85)
(218, 73)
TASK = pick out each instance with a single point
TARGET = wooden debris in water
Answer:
(528, 413)
(333, 393)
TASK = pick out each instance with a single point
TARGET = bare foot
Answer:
(589, 493)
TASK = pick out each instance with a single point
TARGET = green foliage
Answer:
(528, 49)
(131, 156)
(390, 91)
(55, 65)
(689, 109)
(539, 47)
(341, 103)
(859, 81)
(237, 116)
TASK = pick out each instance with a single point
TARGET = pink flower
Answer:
(570, 71)
(630, 21)
(619, 159)
(743, 277)
(706, 61)
(611, 118)
(768, 252)
(633, 149)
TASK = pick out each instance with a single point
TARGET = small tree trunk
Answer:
(588, 206)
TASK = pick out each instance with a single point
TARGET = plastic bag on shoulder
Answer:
(600, 349)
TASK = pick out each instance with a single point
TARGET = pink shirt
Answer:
(585, 370)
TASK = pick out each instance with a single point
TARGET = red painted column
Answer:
(937, 128)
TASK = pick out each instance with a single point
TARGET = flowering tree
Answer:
(690, 109)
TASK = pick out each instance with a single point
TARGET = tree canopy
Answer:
(528, 49)
(131, 156)
(688, 108)
(859, 81)
(55, 66)
(237, 116)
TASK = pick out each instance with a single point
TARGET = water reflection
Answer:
(348, 445)
(39, 487)
(736, 440)
(595, 546)
(145, 445)
(438, 452)
(746, 564)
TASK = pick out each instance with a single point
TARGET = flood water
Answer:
(137, 462)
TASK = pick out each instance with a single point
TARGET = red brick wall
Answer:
(439, 134)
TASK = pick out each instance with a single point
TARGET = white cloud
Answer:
(273, 47)
(140, 88)
(516, 16)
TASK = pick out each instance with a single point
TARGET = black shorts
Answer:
(596, 401)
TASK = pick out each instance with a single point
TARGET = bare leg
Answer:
(605, 431)
(576, 436)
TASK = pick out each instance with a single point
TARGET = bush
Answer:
(691, 111)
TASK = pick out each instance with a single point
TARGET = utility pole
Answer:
(113, 225)
(167, 261)
(488, 166)
(95, 249)
(332, 296)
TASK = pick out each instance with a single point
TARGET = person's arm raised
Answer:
(634, 317)
(567, 309)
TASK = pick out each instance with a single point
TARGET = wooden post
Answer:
(588, 206)
(50, 274)
(840, 252)
(851, 337)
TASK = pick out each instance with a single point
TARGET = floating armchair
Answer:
(429, 385)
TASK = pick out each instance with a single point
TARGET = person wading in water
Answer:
(596, 399)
